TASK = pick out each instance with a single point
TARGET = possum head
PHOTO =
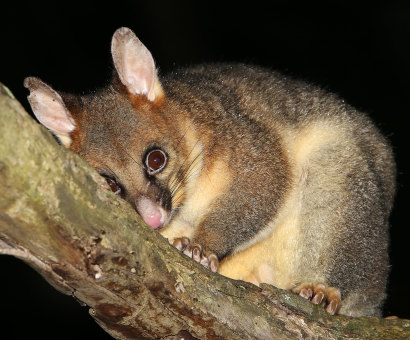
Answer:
(126, 131)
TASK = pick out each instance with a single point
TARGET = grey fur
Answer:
(249, 119)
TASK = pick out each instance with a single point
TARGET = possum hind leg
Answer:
(343, 225)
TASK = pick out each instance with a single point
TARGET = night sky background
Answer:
(361, 52)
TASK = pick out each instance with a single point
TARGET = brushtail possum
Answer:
(257, 176)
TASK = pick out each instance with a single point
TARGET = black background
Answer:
(361, 52)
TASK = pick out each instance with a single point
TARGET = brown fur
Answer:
(283, 181)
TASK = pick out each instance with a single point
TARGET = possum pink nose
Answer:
(153, 214)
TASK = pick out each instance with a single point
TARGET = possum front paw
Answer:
(195, 251)
(320, 293)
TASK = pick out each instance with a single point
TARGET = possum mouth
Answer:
(152, 213)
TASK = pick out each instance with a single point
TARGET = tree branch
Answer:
(57, 215)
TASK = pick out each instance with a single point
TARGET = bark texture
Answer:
(58, 215)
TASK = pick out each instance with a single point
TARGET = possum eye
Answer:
(115, 187)
(155, 161)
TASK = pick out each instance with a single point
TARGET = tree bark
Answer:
(58, 215)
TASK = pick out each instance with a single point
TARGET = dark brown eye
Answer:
(113, 185)
(155, 161)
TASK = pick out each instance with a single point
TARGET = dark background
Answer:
(358, 51)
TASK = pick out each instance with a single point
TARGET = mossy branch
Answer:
(58, 215)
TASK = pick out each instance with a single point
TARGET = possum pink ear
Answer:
(135, 65)
(50, 110)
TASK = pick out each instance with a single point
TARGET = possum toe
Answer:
(181, 243)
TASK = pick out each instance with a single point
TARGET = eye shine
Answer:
(155, 161)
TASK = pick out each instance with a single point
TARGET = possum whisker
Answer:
(180, 172)
(184, 173)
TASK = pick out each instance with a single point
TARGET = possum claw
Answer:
(195, 251)
(320, 294)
